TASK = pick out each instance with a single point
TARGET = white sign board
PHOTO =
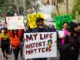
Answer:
(15, 22)
(40, 45)
(61, 33)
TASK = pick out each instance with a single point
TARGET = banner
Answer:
(32, 19)
(15, 22)
(60, 20)
(40, 45)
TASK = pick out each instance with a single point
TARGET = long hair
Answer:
(6, 31)
(72, 26)
(13, 31)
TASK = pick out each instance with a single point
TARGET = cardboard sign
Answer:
(15, 22)
(60, 20)
(61, 33)
(32, 19)
(40, 45)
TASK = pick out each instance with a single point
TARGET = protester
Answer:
(4, 36)
(0, 26)
(79, 27)
(15, 42)
(40, 28)
(74, 41)
(53, 28)
(47, 27)
(61, 44)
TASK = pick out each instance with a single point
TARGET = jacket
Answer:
(15, 41)
(73, 41)
(41, 30)
(60, 44)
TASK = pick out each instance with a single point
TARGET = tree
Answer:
(4, 5)
(76, 8)
(56, 3)
(32, 6)
(53, 2)
(67, 7)
(1, 2)
(35, 6)
(57, 7)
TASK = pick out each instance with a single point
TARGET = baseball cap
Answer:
(39, 19)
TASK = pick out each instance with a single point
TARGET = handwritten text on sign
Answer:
(32, 19)
(60, 20)
(39, 45)
(15, 22)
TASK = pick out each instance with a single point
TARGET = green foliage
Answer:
(53, 14)
(36, 7)
(31, 4)
(0, 10)
(60, 1)
(28, 4)
(1, 2)
(76, 8)
(4, 6)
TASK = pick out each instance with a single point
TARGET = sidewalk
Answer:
(11, 57)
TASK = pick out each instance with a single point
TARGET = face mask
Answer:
(41, 27)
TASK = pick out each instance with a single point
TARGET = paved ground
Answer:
(12, 58)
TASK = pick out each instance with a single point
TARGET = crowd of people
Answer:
(68, 45)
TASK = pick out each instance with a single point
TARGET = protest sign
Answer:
(40, 45)
(15, 22)
(61, 33)
(60, 20)
(32, 19)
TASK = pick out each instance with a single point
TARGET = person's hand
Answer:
(72, 48)
(61, 37)
(56, 41)
(13, 47)
(23, 38)
(68, 34)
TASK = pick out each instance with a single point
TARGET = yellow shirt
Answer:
(4, 36)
